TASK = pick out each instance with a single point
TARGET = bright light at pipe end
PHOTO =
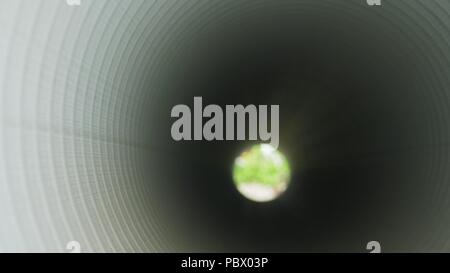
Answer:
(261, 173)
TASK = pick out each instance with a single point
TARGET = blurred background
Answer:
(86, 152)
